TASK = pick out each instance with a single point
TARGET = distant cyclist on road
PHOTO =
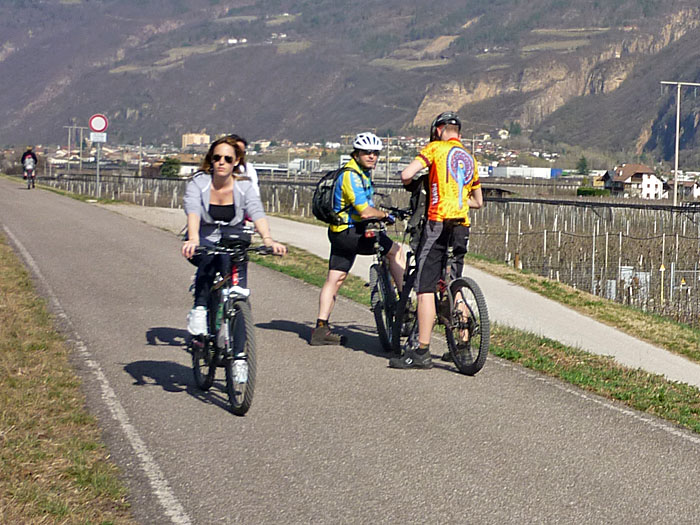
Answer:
(218, 193)
(29, 162)
(354, 189)
(453, 188)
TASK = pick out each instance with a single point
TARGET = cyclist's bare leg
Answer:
(397, 264)
(329, 292)
(426, 317)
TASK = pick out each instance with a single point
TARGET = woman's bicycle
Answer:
(461, 310)
(230, 341)
(383, 296)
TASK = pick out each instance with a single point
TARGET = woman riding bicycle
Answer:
(217, 202)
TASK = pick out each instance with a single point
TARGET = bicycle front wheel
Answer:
(405, 329)
(469, 331)
(383, 300)
(241, 364)
(203, 362)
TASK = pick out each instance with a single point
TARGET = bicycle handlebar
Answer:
(401, 213)
(233, 250)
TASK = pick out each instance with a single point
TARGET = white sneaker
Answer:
(197, 321)
(240, 371)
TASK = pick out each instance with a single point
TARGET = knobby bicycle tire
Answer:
(203, 362)
(383, 300)
(468, 314)
(405, 327)
(242, 340)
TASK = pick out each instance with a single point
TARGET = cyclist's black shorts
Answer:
(433, 250)
(349, 243)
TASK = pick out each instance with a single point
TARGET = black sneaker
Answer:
(447, 357)
(412, 359)
(322, 335)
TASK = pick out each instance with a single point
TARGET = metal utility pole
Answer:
(72, 136)
(81, 147)
(69, 145)
(678, 128)
(388, 151)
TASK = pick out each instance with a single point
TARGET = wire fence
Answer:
(645, 258)
(640, 254)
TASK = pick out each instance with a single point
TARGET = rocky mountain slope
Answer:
(583, 72)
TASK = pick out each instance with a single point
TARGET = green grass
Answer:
(53, 466)
(643, 391)
(312, 269)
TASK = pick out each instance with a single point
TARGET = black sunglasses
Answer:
(227, 158)
(370, 152)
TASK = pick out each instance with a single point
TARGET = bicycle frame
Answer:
(230, 338)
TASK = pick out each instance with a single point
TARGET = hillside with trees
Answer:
(583, 72)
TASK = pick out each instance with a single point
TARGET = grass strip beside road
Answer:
(54, 469)
(650, 393)
(678, 338)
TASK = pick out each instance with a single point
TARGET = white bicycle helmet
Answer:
(367, 142)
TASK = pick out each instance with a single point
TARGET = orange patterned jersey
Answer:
(453, 175)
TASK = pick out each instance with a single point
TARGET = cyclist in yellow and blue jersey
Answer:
(354, 193)
(354, 201)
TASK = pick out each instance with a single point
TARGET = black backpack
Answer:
(322, 201)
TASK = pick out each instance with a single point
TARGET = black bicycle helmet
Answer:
(447, 117)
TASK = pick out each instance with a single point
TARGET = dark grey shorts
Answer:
(437, 236)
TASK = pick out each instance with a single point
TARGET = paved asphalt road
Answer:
(334, 436)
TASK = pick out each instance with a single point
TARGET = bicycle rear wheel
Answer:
(405, 329)
(203, 361)
(469, 332)
(241, 364)
(383, 300)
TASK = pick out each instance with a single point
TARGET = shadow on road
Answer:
(166, 336)
(174, 377)
(361, 338)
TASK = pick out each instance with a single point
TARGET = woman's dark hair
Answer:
(240, 153)
(238, 138)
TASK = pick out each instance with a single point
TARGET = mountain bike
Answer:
(230, 341)
(461, 310)
(383, 296)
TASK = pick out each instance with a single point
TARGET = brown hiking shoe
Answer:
(322, 335)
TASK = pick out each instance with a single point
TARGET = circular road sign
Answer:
(98, 123)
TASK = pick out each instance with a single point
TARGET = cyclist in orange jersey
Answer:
(453, 188)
